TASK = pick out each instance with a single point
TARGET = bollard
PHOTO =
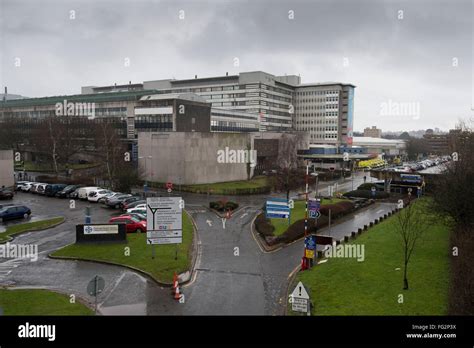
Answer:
(371, 224)
(385, 216)
(365, 227)
(359, 231)
(346, 239)
(353, 234)
(376, 221)
(338, 242)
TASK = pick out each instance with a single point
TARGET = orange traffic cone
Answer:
(175, 281)
(177, 295)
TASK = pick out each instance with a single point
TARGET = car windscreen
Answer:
(134, 219)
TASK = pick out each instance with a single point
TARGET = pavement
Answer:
(233, 276)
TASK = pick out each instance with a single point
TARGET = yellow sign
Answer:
(309, 254)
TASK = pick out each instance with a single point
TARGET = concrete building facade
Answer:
(372, 132)
(6, 168)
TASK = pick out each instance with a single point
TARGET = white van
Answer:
(83, 192)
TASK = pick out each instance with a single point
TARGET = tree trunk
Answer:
(405, 278)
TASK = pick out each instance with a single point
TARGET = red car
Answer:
(132, 222)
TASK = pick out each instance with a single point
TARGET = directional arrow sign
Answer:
(209, 222)
(243, 215)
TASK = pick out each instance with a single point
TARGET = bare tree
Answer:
(287, 163)
(410, 225)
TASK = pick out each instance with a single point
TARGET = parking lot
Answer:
(43, 207)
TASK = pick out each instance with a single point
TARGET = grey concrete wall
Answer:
(191, 157)
(6, 168)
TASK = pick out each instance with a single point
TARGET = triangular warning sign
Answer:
(300, 292)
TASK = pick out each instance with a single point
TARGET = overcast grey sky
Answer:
(389, 59)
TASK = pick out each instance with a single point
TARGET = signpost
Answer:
(277, 208)
(164, 221)
(95, 287)
(313, 209)
(299, 300)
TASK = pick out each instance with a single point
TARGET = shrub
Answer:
(223, 206)
(263, 225)
(296, 230)
(367, 194)
(338, 209)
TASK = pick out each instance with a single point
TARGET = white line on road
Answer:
(244, 215)
(209, 222)
(379, 211)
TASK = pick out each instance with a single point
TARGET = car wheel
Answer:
(26, 215)
(138, 230)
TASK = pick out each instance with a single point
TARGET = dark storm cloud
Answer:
(404, 60)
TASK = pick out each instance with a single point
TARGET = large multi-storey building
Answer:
(324, 110)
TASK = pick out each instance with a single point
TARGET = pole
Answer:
(329, 221)
(153, 251)
(96, 287)
(176, 252)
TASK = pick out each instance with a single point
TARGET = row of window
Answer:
(324, 92)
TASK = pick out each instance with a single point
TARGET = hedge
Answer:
(338, 209)
(296, 230)
(221, 206)
(367, 194)
(263, 225)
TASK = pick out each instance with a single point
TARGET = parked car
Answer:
(20, 184)
(52, 189)
(75, 193)
(114, 202)
(109, 195)
(27, 187)
(136, 203)
(133, 224)
(141, 206)
(137, 210)
(14, 212)
(65, 192)
(138, 215)
(35, 187)
(95, 195)
(84, 191)
(6, 193)
(3, 205)
(124, 204)
(41, 189)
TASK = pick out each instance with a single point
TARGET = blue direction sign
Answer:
(313, 209)
(277, 208)
(310, 242)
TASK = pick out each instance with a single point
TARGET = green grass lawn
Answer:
(347, 287)
(161, 268)
(297, 213)
(222, 187)
(27, 227)
(39, 302)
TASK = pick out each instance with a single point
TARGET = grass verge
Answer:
(28, 227)
(343, 286)
(297, 213)
(39, 302)
(161, 268)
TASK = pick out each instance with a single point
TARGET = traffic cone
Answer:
(175, 281)
(177, 295)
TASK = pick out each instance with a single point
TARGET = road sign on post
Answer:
(164, 220)
(313, 209)
(299, 300)
(277, 208)
(95, 287)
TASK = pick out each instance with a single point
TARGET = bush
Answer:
(296, 230)
(263, 225)
(367, 194)
(223, 206)
(338, 209)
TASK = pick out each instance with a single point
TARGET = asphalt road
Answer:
(232, 276)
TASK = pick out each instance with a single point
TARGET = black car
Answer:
(67, 191)
(14, 212)
(3, 205)
(52, 189)
(6, 193)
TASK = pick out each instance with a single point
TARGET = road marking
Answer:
(379, 211)
(209, 222)
(223, 223)
(244, 215)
